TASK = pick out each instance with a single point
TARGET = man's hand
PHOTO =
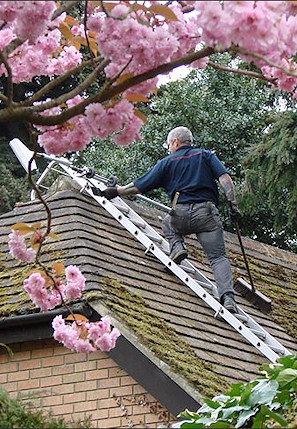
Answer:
(234, 212)
(110, 193)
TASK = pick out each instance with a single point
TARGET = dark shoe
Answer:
(229, 302)
(178, 253)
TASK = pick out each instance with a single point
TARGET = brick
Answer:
(60, 350)
(42, 353)
(64, 369)
(107, 403)
(116, 372)
(97, 374)
(22, 356)
(111, 423)
(121, 391)
(85, 406)
(4, 357)
(51, 381)
(40, 372)
(53, 361)
(52, 401)
(29, 364)
(75, 397)
(73, 358)
(29, 384)
(74, 378)
(108, 382)
(11, 367)
(97, 356)
(64, 409)
(106, 363)
(3, 378)
(85, 386)
(64, 389)
(138, 389)
(85, 366)
(127, 380)
(100, 414)
(97, 394)
(16, 376)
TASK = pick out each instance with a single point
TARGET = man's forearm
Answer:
(228, 187)
(129, 189)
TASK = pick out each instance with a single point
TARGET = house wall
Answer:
(76, 385)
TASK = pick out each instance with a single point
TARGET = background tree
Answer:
(270, 170)
(228, 113)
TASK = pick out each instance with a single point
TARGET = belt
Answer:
(202, 204)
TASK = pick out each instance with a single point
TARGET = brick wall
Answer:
(77, 385)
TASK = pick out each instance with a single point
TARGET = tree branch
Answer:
(239, 71)
(266, 60)
(64, 8)
(107, 92)
(58, 80)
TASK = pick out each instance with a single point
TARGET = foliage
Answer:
(15, 414)
(227, 113)
(270, 170)
(268, 401)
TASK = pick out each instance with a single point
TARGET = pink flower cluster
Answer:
(84, 336)
(18, 248)
(43, 297)
(267, 28)
(98, 121)
(28, 18)
(47, 297)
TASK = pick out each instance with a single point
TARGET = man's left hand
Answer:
(110, 193)
(234, 212)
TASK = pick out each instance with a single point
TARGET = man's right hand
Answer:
(110, 193)
(234, 212)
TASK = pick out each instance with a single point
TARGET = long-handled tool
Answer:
(249, 291)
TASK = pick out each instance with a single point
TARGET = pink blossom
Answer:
(43, 297)
(130, 133)
(75, 282)
(18, 248)
(6, 36)
(84, 337)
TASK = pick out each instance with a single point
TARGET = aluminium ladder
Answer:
(158, 246)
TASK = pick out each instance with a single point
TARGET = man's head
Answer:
(177, 137)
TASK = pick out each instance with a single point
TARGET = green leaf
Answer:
(276, 416)
(286, 377)
(263, 393)
(210, 403)
(244, 417)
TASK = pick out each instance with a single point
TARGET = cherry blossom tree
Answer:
(117, 50)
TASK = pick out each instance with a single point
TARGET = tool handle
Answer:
(244, 255)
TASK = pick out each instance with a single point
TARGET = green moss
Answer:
(14, 300)
(276, 282)
(165, 343)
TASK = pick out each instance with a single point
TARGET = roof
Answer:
(154, 310)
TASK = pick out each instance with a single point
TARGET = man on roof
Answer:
(189, 176)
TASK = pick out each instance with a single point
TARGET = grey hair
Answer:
(183, 134)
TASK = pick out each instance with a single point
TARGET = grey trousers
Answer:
(203, 220)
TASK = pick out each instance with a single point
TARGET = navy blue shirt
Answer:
(192, 172)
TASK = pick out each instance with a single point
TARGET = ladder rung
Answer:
(122, 208)
(154, 237)
(138, 223)
(277, 350)
(242, 317)
(259, 334)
